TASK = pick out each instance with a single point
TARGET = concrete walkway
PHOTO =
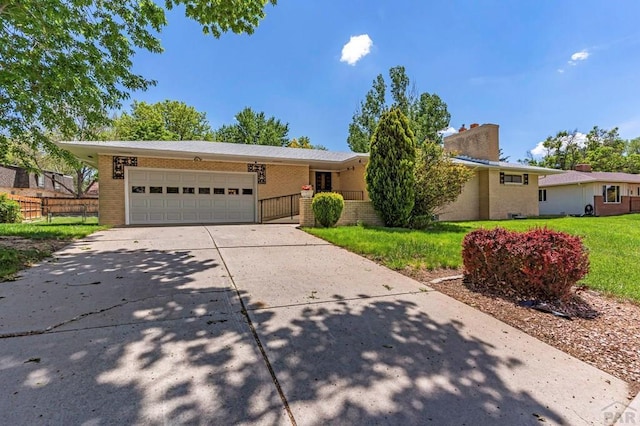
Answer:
(267, 325)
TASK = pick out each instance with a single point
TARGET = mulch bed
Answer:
(603, 331)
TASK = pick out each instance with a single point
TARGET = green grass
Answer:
(61, 228)
(613, 243)
(13, 260)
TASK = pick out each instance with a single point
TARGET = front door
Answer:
(323, 181)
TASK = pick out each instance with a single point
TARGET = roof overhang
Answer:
(89, 153)
(503, 166)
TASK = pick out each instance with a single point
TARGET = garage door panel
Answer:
(139, 203)
(156, 217)
(209, 197)
(205, 216)
(156, 177)
(188, 178)
(138, 175)
(139, 217)
(203, 178)
(189, 216)
(172, 177)
(172, 203)
(156, 203)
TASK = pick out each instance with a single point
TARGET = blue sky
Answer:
(533, 67)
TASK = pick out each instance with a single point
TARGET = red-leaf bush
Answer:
(537, 264)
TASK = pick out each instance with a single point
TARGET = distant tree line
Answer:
(604, 150)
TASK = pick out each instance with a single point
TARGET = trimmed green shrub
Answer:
(390, 171)
(327, 208)
(9, 210)
(537, 264)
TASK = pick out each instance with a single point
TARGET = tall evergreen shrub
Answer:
(390, 172)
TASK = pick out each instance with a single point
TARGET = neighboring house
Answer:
(581, 191)
(498, 190)
(157, 182)
(19, 181)
(93, 191)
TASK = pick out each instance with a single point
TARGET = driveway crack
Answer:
(78, 318)
(263, 352)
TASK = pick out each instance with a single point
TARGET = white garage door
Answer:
(160, 196)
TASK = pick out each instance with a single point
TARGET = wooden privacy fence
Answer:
(30, 207)
(57, 206)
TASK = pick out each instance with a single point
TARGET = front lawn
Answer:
(22, 244)
(613, 243)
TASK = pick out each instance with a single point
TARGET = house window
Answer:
(512, 178)
(611, 193)
(56, 183)
(138, 189)
(188, 190)
(542, 195)
(155, 190)
(172, 190)
(204, 191)
(40, 181)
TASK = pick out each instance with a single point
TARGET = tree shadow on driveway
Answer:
(387, 362)
(179, 350)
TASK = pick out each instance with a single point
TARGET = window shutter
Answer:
(525, 179)
(502, 178)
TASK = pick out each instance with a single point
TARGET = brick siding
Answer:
(353, 212)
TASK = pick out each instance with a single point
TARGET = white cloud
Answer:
(448, 131)
(578, 56)
(579, 139)
(560, 70)
(357, 48)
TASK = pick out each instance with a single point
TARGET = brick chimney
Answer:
(462, 129)
(583, 168)
(480, 142)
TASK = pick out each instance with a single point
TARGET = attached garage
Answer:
(200, 182)
(156, 196)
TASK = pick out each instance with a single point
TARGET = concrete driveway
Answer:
(266, 325)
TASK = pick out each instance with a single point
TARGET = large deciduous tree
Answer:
(66, 59)
(390, 171)
(427, 113)
(438, 182)
(254, 129)
(167, 120)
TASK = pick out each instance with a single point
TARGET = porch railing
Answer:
(289, 205)
(279, 207)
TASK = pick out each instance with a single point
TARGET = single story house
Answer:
(497, 190)
(17, 180)
(582, 191)
(158, 182)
